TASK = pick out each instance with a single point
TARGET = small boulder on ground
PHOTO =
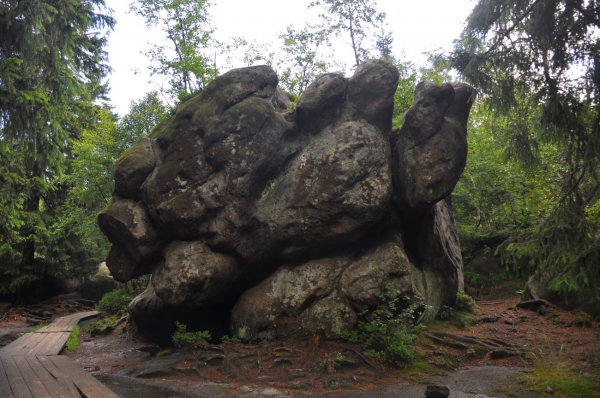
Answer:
(437, 392)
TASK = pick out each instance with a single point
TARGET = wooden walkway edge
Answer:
(31, 367)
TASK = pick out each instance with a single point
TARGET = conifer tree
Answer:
(51, 66)
(549, 50)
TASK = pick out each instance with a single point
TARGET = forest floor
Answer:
(499, 350)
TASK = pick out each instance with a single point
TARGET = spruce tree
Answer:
(51, 66)
(546, 53)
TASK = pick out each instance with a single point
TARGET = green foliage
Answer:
(337, 361)
(388, 335)
(113, 301)
(357, 20)
(484, 281)
(464, 302)
(73, 340)
(186, 60)
(182, 337)
(302, 57)
(535, 63)
(456, 317)
(40, 326)
(551, 369)
(102, 326)
(226, 339)
(52, 64)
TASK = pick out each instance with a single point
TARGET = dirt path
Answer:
(296, 368)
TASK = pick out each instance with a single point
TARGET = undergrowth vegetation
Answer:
(73, 341)
(550, 368)
(113, 301)
(183, 338)
(388, 335)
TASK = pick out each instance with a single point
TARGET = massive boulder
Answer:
(303, 216)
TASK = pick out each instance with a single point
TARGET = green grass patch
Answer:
(565, 383)
(551, 369)
(41, 325)
(73, 341)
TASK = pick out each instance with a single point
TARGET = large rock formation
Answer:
(303, 219)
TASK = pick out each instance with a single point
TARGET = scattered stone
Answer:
(549, 390)
(437, 392)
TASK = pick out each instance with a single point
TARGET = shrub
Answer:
(226, 339)
(388, 335)
(113, 301)
(464, 302)
(195, 339)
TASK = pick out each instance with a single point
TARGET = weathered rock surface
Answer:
(192, 274)
(323, 294)
(438, 269)
(98, 285)
(299, 209)
(431, 149)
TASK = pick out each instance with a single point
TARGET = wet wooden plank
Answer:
(15, 379)
(5, 391)
(35, 385)
(61, 377)
(25, 343)
(86, 383)
(58, 344)
(49, 382)
(66, 323)
(46, 343)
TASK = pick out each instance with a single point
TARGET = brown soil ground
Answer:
(308, 366)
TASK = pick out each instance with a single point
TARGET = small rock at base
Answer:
(549, 390)
(437, 392)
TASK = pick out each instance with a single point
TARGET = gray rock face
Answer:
(236, 191)
(431, 148)
(192, 274)
(322, 294)
(98, 285)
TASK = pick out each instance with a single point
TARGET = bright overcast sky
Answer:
(417, 26)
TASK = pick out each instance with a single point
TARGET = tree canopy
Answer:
(51, 66)
(539, 62)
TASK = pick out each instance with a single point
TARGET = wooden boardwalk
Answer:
(30, 366)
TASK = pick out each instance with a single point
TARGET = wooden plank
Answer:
(28, 341)
(49, 382)
(5, 391)
(58, 344)
(35, 385)
(66, 323)
(6, 350)
(31, 344)
(86, 383)
(47, 341)
(15, 379)
(61, 377)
